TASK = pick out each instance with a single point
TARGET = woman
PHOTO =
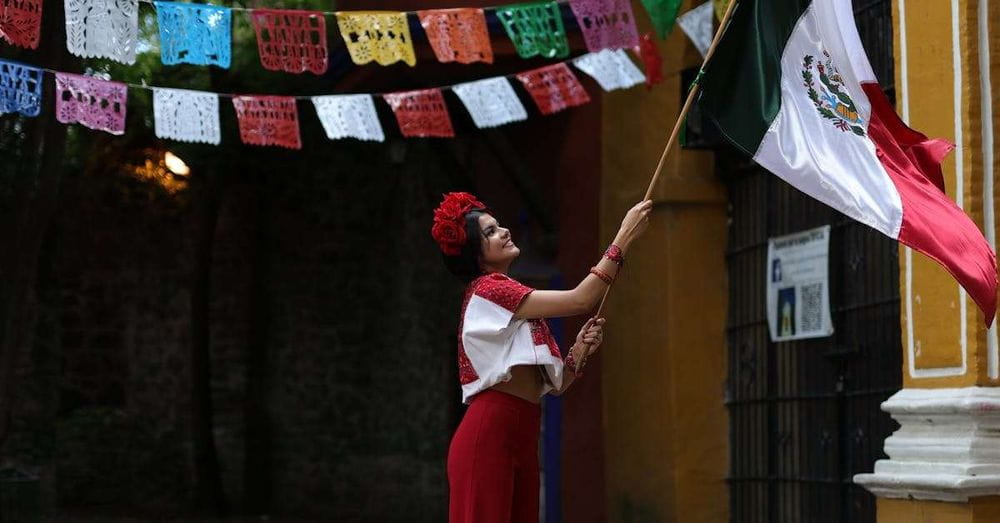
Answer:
(508, 358)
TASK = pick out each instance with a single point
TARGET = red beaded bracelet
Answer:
(615, 254)
(602, 275)
(570, 363)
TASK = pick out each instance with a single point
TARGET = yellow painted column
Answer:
(663, 360)
(945, 342)
(944, 461)
(977, 510)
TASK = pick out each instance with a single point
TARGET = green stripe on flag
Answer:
(741, 90)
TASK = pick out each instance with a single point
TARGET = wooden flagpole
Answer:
(692, 95)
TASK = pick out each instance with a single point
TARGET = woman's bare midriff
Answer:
(526, 382)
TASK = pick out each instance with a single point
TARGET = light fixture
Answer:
(175, 164)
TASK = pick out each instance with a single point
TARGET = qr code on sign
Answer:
(812, 307)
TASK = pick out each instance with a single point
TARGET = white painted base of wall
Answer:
(947, 447)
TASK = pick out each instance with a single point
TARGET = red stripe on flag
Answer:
(932, 223)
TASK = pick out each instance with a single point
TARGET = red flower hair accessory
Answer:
(449, 221)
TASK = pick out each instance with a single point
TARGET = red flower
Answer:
(449, 221)
(450, 237)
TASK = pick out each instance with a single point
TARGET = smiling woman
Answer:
(508, 358)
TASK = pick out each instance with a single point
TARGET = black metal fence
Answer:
(804, 415)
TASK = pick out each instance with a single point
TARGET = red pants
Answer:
(493, 461)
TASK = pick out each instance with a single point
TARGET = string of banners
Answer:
(295, 41)
(193, 116)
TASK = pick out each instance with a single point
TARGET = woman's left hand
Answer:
(591, 336)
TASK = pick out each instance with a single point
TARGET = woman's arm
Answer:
(583, 298)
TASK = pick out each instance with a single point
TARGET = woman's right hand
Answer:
(634, 224)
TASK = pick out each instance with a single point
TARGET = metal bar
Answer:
(838, 224)
(864, 305)
(788, 479)
(746, 324)
(861, 393)
(835, 310)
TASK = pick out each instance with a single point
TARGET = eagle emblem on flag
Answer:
(828, 96)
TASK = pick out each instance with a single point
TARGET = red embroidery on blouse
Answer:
(501, 290)
(539, 330)
(554, 347)
(541, 335)
(466, 372)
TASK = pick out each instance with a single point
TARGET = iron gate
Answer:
(804, 415)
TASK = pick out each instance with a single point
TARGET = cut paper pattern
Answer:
(197, 34)
(458, 35)
(651, 60)
(382, 36)
(421, 113)
(606, 24)
(187, 116)
(268, 120)
(290, 40)
(21, 22)
(491, 102)
(535, 28)
(90, 102)
(554, 88)
(102, 29)
(612, 69)
(697, 24)
(20, 89)
(662, 13)
(349, 116)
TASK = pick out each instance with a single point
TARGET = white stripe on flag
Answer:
(806, 149)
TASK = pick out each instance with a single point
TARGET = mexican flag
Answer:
(791, 86)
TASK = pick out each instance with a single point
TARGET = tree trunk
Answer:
(209, 494)
(257, 485)
(35, 195)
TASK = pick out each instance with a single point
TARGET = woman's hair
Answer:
(465, 266)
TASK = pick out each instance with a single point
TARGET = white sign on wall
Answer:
(798, 286)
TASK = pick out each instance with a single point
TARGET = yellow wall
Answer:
(993, 15)
(978, 510)
(941, 64)
(663, 364)
(938, 93)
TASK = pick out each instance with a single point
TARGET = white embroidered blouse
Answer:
(491, 341)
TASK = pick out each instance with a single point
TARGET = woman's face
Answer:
(499, 250)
